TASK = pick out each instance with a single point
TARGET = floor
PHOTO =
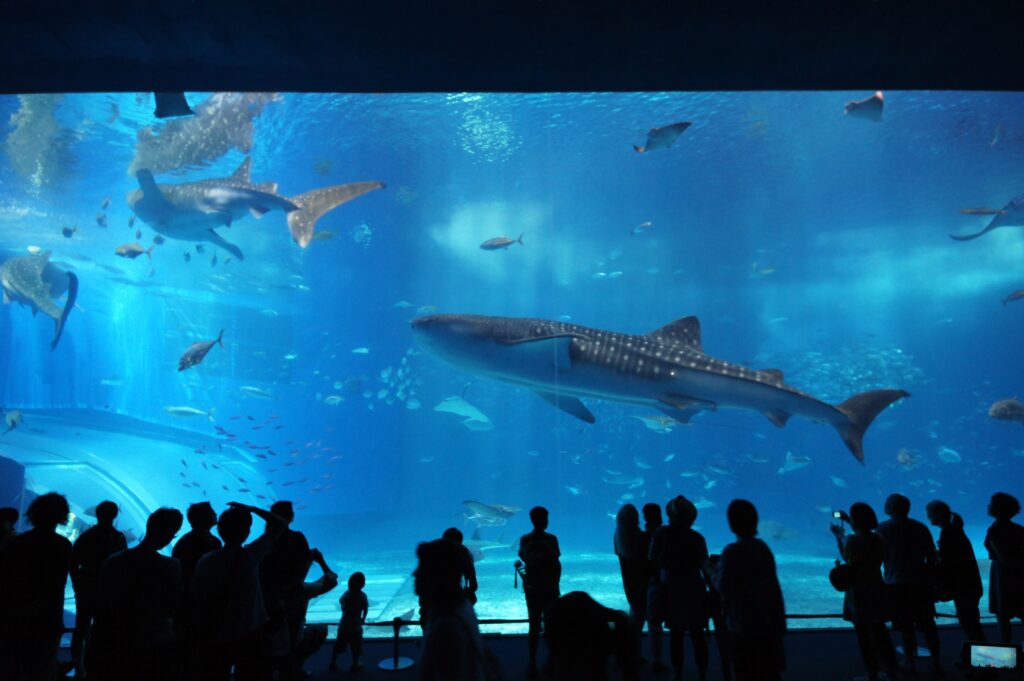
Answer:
(814, 655)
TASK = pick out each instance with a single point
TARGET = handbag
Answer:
(841, 577)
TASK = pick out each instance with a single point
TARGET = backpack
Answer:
(540, 561)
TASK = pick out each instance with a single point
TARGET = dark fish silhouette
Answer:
(662, 138)
(1016, 295)
(131, 222)
(187, 256)
(68, 232)
(1010, 215)
(197, 352)
(1007, 410)
(105, 204)
(158, 240)
(870, 108)
(101, 219)
(500, 242)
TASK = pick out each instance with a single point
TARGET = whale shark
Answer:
(666, 369)
(1010, 215)
(224, 121)
(191, 211)
(35, 282)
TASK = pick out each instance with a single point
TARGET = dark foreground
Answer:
(813, 655)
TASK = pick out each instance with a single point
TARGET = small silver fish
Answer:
(500, 242)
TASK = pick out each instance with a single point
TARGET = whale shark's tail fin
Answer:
(861, 410)
(68, 306)
(313, 205)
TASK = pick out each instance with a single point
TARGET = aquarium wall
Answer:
(803, 232)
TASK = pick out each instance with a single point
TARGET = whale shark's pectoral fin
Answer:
(777, 417)
(682, 408)
(570, 405)
(217, 239)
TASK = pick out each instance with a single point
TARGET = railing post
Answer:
(395, 663)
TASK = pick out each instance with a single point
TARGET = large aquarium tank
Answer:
(718, 294)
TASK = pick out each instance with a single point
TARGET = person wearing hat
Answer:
(678, 553)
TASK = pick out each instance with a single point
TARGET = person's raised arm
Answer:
(276, 525)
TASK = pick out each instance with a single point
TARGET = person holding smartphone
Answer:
(864, 600)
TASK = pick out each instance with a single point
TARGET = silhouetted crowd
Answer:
(232, 608)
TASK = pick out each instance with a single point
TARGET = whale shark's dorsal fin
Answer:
(243, 173)
(685, 331)
(773, 374)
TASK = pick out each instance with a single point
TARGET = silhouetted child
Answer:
(543, 573)
(354, 608)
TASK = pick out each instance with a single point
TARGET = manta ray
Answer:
(666, 369)
(1010, 215)
(191, 211)
(35, 282)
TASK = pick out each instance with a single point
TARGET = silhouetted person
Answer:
(354, 608)
(469, 583)
(33, 571)
(192, 546)
(91, 549)
(960, 578)
(543, 572)
(198, 541)
(751, 599)
(657, 602)
(136, 595)
(453, 649)
(910, 560)
(310, 637)
(864, 603)
(283, 572)
(8, 519)
(582, 635)
(631, 547)
(1005, 544)
(679, 553)
(722, 637)
(227, 598)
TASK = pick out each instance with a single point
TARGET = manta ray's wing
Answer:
(996, 222)
(315, 204)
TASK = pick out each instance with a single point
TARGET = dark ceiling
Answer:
(435, 45)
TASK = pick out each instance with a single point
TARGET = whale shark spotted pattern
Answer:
(666, 369)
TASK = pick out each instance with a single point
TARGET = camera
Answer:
(838, 515)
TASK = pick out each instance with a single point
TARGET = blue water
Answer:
(803, 239)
